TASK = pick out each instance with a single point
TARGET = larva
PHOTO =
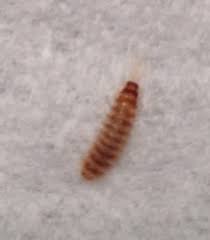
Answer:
(113, 135)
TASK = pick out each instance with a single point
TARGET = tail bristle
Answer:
(136, 69)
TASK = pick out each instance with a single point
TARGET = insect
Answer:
(114, 133)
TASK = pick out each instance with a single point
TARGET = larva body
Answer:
(113, 135)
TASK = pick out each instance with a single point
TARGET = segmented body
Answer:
(113, 135)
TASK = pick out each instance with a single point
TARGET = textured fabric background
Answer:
(61, 63)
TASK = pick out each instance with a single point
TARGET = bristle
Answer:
(114, 133)
(136, 69)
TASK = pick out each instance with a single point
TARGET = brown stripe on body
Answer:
(121, 120)
(128, 99)
(100, 161)
(95, 165)
(115, 139)
(109, 145)
(92, 168)
(126, 111)
(104, 153)
(115, 127)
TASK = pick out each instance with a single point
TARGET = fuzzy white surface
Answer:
(61, 63)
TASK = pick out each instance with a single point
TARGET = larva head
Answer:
(131, 88)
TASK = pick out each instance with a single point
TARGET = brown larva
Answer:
(114, 133)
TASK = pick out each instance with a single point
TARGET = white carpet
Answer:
(61, 63)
